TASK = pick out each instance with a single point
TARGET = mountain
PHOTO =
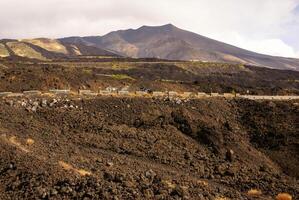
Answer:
(164, 42)
(170, 42)
(44, 49)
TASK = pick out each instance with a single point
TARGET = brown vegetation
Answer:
(284, 196)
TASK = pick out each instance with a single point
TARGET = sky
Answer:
(265, 26)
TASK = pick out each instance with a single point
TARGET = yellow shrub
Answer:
(284, 196)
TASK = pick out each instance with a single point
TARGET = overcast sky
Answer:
(265, 26)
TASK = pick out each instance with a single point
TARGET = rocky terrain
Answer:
(136, 148)
(113, 147)
(17, 75)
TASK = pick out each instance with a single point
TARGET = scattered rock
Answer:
(44, 103)
(9, 102)
(66, 189)
(53, 192)
(230, 155)
(182, 191)
(108, 176)
(150, 174)
(110, 164)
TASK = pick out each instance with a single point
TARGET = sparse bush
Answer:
(284, 196)
(254, 192)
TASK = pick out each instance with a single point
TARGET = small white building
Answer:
(172, 94)
(228, 95)
(123, 92)
(215, 94)
(202, 94)
(159, 94)
(105, 92)
(112, 89)
(32, 92)
(4, 94)
(84, 92)
(141, 93)
(55, 91)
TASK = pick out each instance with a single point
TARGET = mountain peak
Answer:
(168, 26)
(162, 27)
(170, 42)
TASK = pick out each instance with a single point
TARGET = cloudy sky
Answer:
(265, 26)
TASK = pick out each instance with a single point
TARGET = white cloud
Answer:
(270, 46)
(261, 23)
(274, 47)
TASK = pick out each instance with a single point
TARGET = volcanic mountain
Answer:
(164, 42)
(170, 42)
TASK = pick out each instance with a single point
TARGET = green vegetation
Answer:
(121, 76)
(87, 71)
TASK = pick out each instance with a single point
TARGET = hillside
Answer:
(45, 49)
(96, 146)
(170, 42)
(138, 148)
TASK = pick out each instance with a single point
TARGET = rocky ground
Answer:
(20, 75)
(137, 148)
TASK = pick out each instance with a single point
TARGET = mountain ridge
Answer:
(147, 41)
(165, 42)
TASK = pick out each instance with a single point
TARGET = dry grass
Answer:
(254, 192)
(48, 44)
(284, 196)
(83, 172)
(13, 140)
(169, 184)
(232, 58)
(65, 166)
(3, 51)
(202, 183)
(30, 141)
(69, 167)
(23, 50)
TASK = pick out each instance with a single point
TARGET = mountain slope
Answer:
(44, 49)
(170, 42)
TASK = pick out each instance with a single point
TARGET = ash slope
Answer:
(170, 42)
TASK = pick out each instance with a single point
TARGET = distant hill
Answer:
(170, 42)
(44, 49)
